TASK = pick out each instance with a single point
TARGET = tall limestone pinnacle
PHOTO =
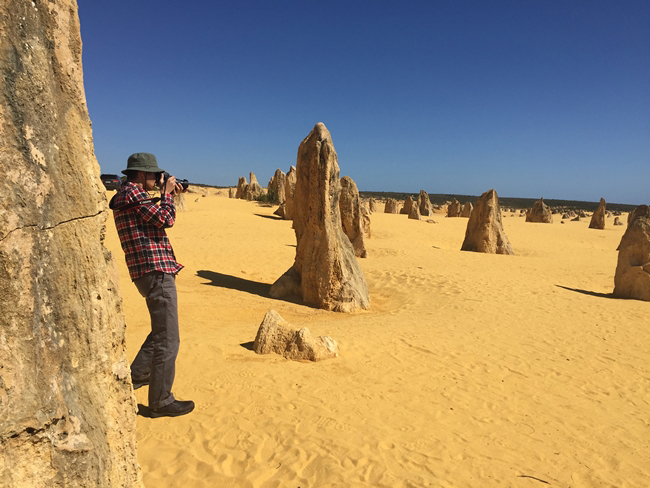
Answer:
(484, 229)
(67, 410)
(325, 273)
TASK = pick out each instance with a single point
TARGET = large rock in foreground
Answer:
(632, 278)
(325, 273)
(598, 218)
(67, 410)
(279, 336)
(540, 213)
(352, 217)
(484, 229)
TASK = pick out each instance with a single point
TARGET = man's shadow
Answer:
(241, 284)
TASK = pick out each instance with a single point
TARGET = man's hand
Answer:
(170, 186)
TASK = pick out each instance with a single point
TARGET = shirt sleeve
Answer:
(162, 216)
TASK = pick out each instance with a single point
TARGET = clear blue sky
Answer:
(533, 98)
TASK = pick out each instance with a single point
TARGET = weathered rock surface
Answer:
(289, 189)
(253, 190)
(277, 335)
(598, 218)
(242, 188)
(632, 278)
(484, 229)
(277, 187)
(617, 221)
(365, 221)
(408, 204)
(467, 210)
(325, 273)
(414, 212)
(232, 192)
(351, 216)
(372, 205)
(540, 213)
(67, 410)
(453, 210)
(424, 204)
(390, 206)
(280, 210)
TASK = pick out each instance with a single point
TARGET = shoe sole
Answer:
(155, 415)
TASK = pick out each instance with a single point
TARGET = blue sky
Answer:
(532, 98)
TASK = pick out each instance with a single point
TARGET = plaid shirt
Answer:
(142, 231)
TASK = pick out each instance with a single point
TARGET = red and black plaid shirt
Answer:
(141, 229)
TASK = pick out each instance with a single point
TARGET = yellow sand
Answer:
(469, 370)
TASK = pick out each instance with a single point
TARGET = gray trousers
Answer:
(157, 357)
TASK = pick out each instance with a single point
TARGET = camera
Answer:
(166, 175)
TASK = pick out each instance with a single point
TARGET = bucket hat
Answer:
(142, 162)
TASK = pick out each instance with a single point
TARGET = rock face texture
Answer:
(408, 204)
(352, 217)
(325, 273)
(617, 221)
(467, 210)
(453, 210)
(424, 204)
(390, 206)
(242, 187)
(414, 213)
(365, 221)
(289, 189)
(67, 410)
(372, 205)
(277, 335)
(277, 187)
(232, 192)
(253, 190)
(540, 213)
(632, 278)
(598, 218)
(484, 229)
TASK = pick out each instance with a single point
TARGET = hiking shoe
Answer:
(174, 409)
(140, 383)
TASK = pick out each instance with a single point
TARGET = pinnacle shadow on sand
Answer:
(587, 292)
(241, 284)
(272, 217)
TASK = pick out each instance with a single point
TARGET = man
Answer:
(141, 225)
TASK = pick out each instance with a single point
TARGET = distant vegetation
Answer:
(504, 202)
(442, 198)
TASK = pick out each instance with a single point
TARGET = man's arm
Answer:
(162, 216)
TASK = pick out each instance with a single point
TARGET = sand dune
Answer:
(469, 370)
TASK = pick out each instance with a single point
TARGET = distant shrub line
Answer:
(442, 198)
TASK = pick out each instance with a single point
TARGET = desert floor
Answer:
(468, 370)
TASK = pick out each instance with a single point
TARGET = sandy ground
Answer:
(469, 370)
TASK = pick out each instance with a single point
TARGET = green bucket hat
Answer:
(142, 162)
